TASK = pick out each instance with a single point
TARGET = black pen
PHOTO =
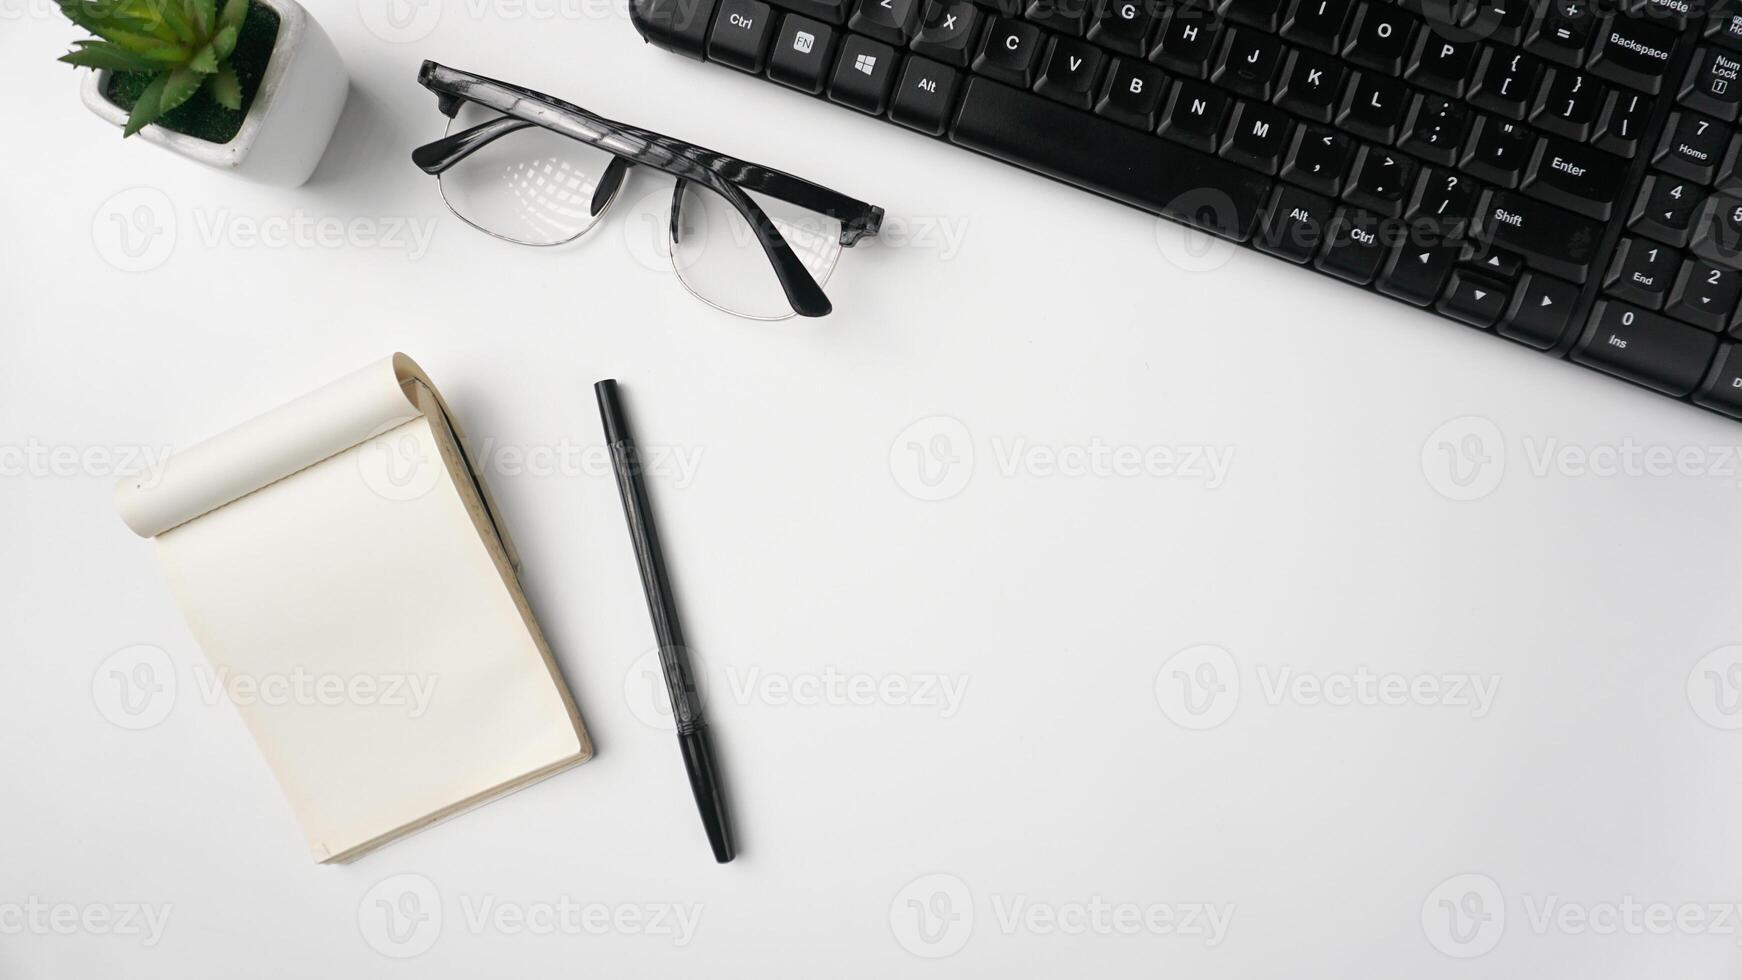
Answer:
(674, 658)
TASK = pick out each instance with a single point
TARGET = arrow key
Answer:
(1666, 208)
(1494, 261)
(1541, 311)
(1705, 295)
(1474, 299)
(1416, 270)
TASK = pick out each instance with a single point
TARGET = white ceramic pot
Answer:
(292, 116)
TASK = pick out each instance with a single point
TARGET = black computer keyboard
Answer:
(1568, 175)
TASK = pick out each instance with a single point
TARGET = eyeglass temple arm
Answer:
(807, 298)
(434, 158)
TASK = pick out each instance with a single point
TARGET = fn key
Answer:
(924, 96)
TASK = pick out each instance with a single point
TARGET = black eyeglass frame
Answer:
(630, 145)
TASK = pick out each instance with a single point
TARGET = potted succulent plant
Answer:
(253, 87)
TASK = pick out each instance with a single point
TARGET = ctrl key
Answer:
(1646, 347)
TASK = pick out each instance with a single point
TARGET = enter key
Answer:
(1575, 176)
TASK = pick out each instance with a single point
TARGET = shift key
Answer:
(1549, 238)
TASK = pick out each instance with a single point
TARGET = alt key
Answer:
(924, 95)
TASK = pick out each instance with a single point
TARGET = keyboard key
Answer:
(1445, 198)
(1718, 231)
(1498, 150)
(1380, 181)
(1722, 389)
(1381, 39)
(1541, 310)
(1194, 114)
(1502, 21)
(1725, 27)
(1374, 108)
(1310, 85)
(1576, 176)
(1071, 72)
(1625, 116)
(1692, 145)
(1010, 53)
(1666, 208)
(946, 31)
(1257, 135)
(1354, 246)
(1416, 271)
(1563, 31)
(1318, 23)
(1633, 53)
(1063, 16)
(1705, 295)
(740, 35)
(1294, 224)
(1187, 43)
(1641, 272)
(1249, 63)
(1109, 159)
(1443, 64)
(889, 21)
(1318, 160)
(863, 74)
(1132, 94)
(1551, 239)
(1569, 104)
(1474, 299)
(1645, 347)
(1435, 128)
(802, 50)
(1506, 81)
(924, 96)
(1124, 26)
(1713, 85)
(1262, 14)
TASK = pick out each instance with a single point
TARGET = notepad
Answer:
(347, 575)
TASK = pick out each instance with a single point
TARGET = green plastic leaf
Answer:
(235, 12)
(180, 86)
(223, 44)
(206, 61)
(105, 56)
(148, 108)
(227, 88)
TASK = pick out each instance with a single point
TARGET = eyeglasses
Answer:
(530, 169)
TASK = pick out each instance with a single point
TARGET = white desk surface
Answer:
(1078, 825)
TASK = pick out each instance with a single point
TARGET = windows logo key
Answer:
(865, 63)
